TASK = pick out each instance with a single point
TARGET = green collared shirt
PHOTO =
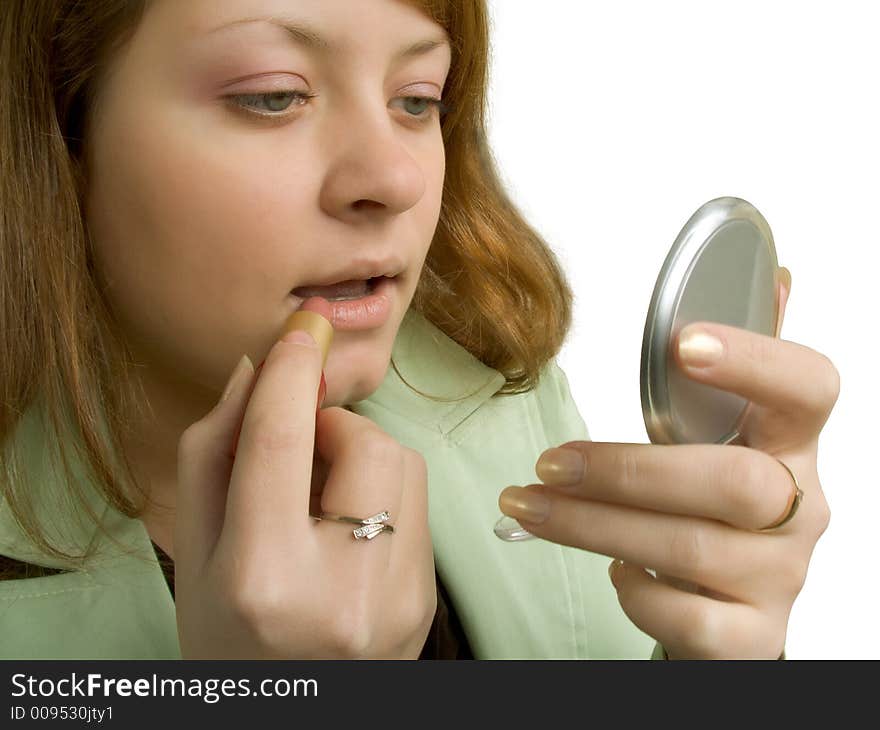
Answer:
(523, 600)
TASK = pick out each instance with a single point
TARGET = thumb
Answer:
(204, 466)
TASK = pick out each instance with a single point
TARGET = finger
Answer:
(204, 462)
(411, 538)
(706, 552)
(783, 376)
(365, 478)
(411, 570)
(686, 624)
(738, 485)
(268, 497)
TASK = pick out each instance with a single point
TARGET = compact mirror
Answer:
(721, 268)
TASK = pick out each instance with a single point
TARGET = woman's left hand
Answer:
(693, 512)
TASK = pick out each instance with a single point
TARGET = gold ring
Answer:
(796, 502)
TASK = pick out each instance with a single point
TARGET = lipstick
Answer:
(314, 317)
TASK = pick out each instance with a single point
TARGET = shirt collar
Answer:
(435, 364)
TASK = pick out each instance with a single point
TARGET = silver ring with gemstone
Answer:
(369, 526)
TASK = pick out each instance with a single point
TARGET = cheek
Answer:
(174, 220)
(435, 172)
(433, 166)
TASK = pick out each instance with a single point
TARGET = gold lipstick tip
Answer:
(315, 325)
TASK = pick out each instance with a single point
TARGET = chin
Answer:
(356, 370)
(354, 389)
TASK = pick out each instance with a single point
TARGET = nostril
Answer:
(367, 204)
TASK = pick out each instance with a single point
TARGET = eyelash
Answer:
(442, 109)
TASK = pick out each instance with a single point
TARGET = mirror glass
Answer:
(722, 268)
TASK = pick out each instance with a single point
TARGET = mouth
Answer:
(342, 291)
(355, 304)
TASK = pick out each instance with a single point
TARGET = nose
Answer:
(372, 166)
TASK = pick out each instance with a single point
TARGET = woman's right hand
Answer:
(255, 576)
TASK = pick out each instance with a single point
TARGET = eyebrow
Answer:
(307, 36)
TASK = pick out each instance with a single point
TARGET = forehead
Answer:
(322, 27)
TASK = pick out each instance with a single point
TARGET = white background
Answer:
(612, 122)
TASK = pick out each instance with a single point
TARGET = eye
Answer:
(278, 102)
(274, 99)
(442, 109)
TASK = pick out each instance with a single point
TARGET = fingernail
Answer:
(300, 336)
(698, 348)
(613, 569)
(241, 370)
(522, 504)
(785, 276)
(322, 391)
(509, 530)
(559, 466)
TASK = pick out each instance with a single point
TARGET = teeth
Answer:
(343, 291)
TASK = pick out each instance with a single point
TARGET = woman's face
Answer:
(204, 217)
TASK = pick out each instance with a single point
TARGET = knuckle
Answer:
(418, 467)
(758, 350)
(248, 591)
(241, 604)
(793, 575)
(273, 434)
(819, 514)
(830, 384)
(429, 609)
(194, 442)
(255, 597)
(629, 468)
(377, 447)
(425, 597)
(350, 631)
(686, 549)
(416, 458)
(699, 629)
(824, 517)
(745, 478)
(824, 390)
(417, 613)
(254, 609)
(190, 439)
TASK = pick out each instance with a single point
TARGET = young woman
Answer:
(178, 179)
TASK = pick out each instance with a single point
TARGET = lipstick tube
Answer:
(320, 329)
